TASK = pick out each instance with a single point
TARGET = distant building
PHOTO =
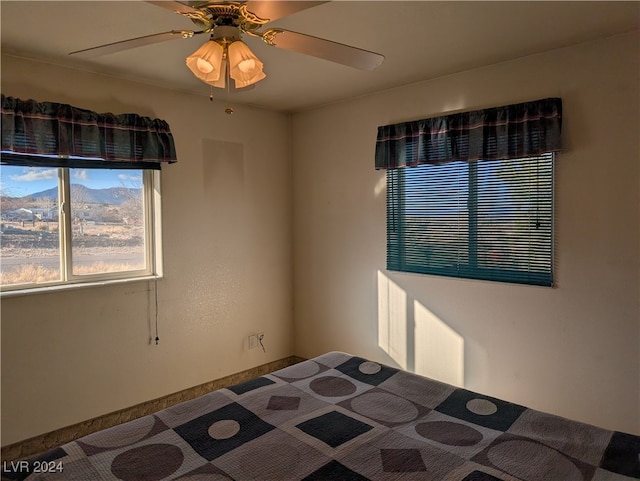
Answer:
(22, 214)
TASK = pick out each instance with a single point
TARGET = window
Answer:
(470, 194)
(80, 194)
(481, 219)
(70, 225)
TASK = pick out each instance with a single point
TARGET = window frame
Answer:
(397, 260)
(152, 207)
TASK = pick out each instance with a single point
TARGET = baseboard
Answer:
(42, 443)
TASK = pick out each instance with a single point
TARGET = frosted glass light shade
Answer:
(244, 67)
(222, 81)
(206, 62)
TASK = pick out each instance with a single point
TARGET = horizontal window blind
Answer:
(489, 220)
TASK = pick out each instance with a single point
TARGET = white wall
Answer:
(70, 356)
(573, 350)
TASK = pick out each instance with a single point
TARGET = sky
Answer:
(20, 181)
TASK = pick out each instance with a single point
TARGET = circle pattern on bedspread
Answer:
(482, 410)
(447, 432)
(225, 429)
(127, 433)
(369, 367)
(516, 457)
(384, 407)
(332, 386)
(482, 407)
(161, 460)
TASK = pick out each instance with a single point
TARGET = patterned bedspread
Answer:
(339, 417)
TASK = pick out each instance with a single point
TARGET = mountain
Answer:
(80, 193)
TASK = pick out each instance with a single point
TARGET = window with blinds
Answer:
(490, 220)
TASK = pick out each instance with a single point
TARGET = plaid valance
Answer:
(47, 132)
(507, 132)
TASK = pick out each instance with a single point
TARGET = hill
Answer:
(81, 193)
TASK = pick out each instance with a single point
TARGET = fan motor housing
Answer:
(228, 32)
(214, 15)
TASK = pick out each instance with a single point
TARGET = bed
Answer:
(345, 418)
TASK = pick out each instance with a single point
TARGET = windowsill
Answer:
(78, 285)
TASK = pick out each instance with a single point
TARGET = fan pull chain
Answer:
(228, 110)
(154, 261)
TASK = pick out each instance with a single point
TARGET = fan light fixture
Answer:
(221, 58)
(225, 56)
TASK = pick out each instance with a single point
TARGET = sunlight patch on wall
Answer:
(380, 186)
(392, 319)
(439, 350)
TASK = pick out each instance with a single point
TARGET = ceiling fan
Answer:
(225, 56)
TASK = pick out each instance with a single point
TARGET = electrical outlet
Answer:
(253, 341)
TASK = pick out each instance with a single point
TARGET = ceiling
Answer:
(420, 40)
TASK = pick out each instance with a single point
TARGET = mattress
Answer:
(342, 417)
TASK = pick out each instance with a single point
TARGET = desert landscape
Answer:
(105, 238)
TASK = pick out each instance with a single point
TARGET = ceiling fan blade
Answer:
(272, 10)
(133, 43)
(178, 7)
(322, 48)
